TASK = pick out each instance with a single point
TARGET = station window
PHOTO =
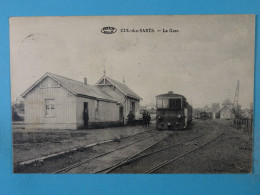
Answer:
(96, 105)
(132, 107)
(49, 107)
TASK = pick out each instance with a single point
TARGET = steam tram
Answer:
(173, 112)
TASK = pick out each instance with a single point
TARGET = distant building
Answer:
(206, 112)
(196, 113)
(56, 102)
(215, 108)
(149, 108)
(128, 100)
(226, 111)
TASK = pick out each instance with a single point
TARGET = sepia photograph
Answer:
(132, 94)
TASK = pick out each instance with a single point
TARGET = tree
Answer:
(18, 111)
(251, 110)
(238, 112)
(227, 102)
(215, 107)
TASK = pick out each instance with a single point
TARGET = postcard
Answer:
(132, 94)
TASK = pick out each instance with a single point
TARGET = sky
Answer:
(202, 61)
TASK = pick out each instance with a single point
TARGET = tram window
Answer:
(175, 103)
(165, 103)
(162, 103)
(159, 103)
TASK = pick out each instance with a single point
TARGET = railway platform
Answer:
(29, 145)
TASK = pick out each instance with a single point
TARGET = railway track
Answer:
(136, 157)
(139, 155)
(160, 165)
(66, 169)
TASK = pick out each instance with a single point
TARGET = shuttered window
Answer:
(49, 107)
(96, 105)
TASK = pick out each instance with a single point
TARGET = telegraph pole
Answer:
(236, 105)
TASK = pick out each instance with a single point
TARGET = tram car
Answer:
(173, 112)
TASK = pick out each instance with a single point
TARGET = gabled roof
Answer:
(207, 109)
(226, 107)
(120, 86)
(76, 87)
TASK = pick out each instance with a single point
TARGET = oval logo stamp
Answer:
(108, 30)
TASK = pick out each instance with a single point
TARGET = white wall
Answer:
(107, 112)
(65, 105)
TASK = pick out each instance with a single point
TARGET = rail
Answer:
(152, 170)
(136, 157)
(66, 169)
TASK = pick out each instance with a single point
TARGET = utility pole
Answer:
(236, 105)
(236, 108)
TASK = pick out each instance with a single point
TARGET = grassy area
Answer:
(41, 136)
(31, 144)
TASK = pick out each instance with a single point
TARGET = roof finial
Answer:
(124, 79)
(104, 70)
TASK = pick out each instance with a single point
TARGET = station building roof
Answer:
(120, 86)
(76, 87)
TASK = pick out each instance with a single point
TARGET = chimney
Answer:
(170, 92)
(85, 81)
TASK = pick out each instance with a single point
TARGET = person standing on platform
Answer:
(148, 119)
(130, 117)
(144, 118)
(85, 118)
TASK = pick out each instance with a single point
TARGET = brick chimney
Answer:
(85, 81)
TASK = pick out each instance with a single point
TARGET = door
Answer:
(121, 114)
(133, 108)
(85, 114)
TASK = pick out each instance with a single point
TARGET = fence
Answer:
(243, 123)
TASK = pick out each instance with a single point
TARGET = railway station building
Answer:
(56, 102)
(129, 101)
